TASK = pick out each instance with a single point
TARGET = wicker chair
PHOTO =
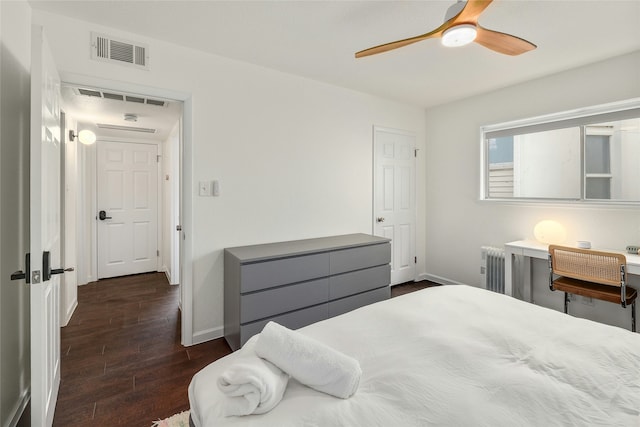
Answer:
(594, 274)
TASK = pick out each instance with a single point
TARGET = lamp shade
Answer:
(459, 35)
(550, 232)
(86, 137)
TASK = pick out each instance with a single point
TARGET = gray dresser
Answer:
(301, 282)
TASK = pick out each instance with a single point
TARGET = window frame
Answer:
(579, 117)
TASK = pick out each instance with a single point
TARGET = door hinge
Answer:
(158, 158)
(415, 152)
(157, 252)
(415, 259)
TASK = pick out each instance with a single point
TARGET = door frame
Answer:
(415, 186)
(186, 181)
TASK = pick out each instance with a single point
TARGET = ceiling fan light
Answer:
(459, 35)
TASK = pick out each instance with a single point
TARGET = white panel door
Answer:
(394, 198)
(128, 194)
(44, 231)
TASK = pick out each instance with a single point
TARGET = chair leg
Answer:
(566, 302)
(633, 316)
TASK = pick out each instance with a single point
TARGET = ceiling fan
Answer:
(461, 27)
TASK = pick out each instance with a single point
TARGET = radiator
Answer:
(493, 268)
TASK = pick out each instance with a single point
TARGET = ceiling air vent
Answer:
(155, 102)
(105, 48)
(134, 99)
(89, 92)
(108, 95)
(97, 93)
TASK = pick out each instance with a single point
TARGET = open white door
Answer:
(128, 204)
(394, 198)
(45, 231)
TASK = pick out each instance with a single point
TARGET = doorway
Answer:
(120, 115)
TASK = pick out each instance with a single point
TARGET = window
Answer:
(597, 161)
(590, 155)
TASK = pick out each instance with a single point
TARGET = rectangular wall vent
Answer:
(110, 49)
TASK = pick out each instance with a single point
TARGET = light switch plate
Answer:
(204, 188)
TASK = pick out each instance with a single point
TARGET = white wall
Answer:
(69, 280)
(86, 212)
(15, 62)
(458, 223)
(293, 156)
(170, 204)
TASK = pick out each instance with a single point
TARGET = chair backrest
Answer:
(606, 268)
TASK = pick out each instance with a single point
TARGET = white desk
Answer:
(533, 249)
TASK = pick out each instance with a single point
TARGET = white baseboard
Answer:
(168, 274)
(439, 280)
(207, 335)
(69, 313)
(20, 406)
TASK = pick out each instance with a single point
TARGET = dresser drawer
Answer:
(261, 275)
(347, 304)
(270, 302)
(360, 257)
(294, 320)
(359, 281)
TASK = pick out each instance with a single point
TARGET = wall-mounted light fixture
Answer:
(85, 136)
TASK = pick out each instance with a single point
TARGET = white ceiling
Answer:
(91, 111)
(318, 39)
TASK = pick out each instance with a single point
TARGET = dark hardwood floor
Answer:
(122, 361)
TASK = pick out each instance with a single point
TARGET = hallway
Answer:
(122, 361)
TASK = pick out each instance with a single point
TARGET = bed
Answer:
(456, 356)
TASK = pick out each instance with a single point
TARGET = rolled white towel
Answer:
(311, 362)
(252, 386)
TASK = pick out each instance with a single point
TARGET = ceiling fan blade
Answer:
(502, 43)
(471, 11)
(400, 43)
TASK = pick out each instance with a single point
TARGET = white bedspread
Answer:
(457, 356)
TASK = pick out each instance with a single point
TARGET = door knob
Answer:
(103, 215)
(380, 219)
(61, 270)
(19, 275)
(46, 267)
